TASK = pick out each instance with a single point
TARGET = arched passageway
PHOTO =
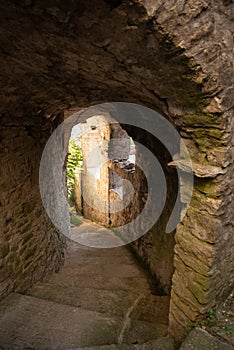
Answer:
(106, 150)
(174, 58)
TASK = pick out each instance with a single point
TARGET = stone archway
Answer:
(174, 58)
(156, 248)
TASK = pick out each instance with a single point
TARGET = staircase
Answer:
(100, 299)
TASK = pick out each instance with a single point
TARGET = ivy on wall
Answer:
(74, 164)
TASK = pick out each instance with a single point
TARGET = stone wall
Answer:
(92, 183)
(96, 186)
(123, 186)
(133, 190)
(201, 253)
(157, 247)
(30, 246)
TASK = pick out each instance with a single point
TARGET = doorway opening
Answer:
(111, 189)
(99, 168)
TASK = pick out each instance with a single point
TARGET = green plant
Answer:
(74, 162)
(210, 319)
(228, 330)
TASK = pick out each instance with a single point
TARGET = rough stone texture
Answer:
(99, 298)
(162, 343)
(200, 339)
(29, 244)
(176, 57)
(95, 175)
(157, 247)
(97, 186)
(134, 190)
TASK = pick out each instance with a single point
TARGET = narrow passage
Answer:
(100, 299)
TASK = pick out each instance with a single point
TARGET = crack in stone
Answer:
(127, 321)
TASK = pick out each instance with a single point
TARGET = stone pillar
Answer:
(95, 175)
(204, 239)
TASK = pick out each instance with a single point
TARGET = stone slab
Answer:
(31, 323)
(200, 339)
(108, 302)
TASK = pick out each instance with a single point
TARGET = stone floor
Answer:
(100, 299)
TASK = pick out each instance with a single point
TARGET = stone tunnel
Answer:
(174, 57)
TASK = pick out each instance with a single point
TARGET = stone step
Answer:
(100, 299)
(105, 347)
(150, 308)
(98, 281)
(161, 343)
(108, 302)
(101, 269)
(153, 309)
(31, 323)
(140, 332)
(116, 261)
(28, 322)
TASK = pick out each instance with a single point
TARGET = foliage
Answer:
(74, 162)
(209, 320)
(211, 317)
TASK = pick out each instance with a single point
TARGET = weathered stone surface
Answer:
(202, 171)
(175, 57)
(29, 244)
(101, 193)
(100, 299)
(162, 343)
(201, 339)
(26, 320)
